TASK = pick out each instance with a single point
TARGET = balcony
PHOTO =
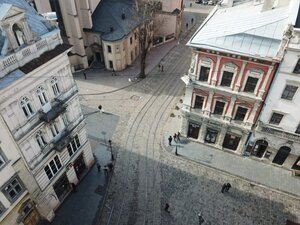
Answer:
(53, 113)
(24, 55)
(63, 141)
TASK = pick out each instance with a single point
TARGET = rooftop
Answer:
(243, 29)
(108, 21)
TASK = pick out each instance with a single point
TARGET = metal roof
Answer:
(108, 21)
(243, 29)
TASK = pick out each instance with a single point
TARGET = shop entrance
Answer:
(281, 155)
(231, 141)
(79, 166)
(193, 131)
(259, 148)
(62, 187)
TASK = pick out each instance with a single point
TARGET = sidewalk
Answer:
(244, 167)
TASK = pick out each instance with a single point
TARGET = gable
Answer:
(8, 11)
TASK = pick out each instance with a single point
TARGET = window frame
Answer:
(26, 107)
(40, 139)
(215, 104)
(254, 73)
(54, 129)
(41, 93)
(55, 161)
(7, 192)
(287, 93)
(236, 112)
(74, 145)
(109, 49)
(273, 122)
(54, 86)
(208, 75)
(194, 105)
(204, 62)
(297, 67)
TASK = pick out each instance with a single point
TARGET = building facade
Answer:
(231, 71)
(105, 32)
(276, 138)
(40, 108)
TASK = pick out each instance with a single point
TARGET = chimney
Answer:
(123, 16)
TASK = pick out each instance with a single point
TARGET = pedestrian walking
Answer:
(162, 68)
(167, 206)
(187, 25)
(192, 20)
(110, 166)
(100, 108)
(223, 188)
(98, 167)
(73, 187)
(228, 186)
(170, 140)
(159, 67)
(178, 136)
(84, 74)
(105, 171)
(175, 137)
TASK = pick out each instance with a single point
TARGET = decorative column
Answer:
(184, 125)
(228, 114)
(206, 111)
(265, 81)
(11, 37)
(241, 145)
(203, 129)
(238, 83)
(221, 137)
(250, 120)
(216, 70)
(27, 31)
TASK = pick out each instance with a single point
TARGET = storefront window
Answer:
(193, 131)
(211, 136)
(231, 141)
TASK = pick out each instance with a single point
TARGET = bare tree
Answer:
(145, 10)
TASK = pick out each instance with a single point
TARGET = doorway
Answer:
(281, 155)
(62, 187)
(259, 148)
(79, 166)
(193, 131)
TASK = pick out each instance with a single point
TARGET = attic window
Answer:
(123, 16)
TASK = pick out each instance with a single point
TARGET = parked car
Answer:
(198, 1)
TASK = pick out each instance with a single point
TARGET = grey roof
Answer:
(243, 29)
(36, 22)
(11, 77)
(108, 14)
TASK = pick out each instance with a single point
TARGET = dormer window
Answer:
(19, 35)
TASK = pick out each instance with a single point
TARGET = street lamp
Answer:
(112, 155)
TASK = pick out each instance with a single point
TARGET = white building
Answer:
(40, 108)
(276, 138)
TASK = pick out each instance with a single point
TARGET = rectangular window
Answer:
(204, 73)
(109, 48)
(298, 130)
(251, 84)
(297, 67)
(219, 108)
(198, 102)
(131, 40)
(276, 118)
(226, 79)
(289, 92)
(2, 209)
(240, 114)
(13, 190)
(53, 167)
(73, 146)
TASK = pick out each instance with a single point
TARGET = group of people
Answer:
(176, 138)
(225, 187)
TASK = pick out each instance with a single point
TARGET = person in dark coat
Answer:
(178, 136)
(84, 74)
(167, 206)
(170, 140)
(228, 186)
(175, 137)
(98, 167)
(224, 188)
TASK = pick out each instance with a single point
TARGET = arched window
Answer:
(26, 107)
(40, 139)
(54, 85)
(19, 35)
(41, 93)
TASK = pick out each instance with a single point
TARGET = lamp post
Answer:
(112, 155)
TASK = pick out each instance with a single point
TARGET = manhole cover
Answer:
(135, 97)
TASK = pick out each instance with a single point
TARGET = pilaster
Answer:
(206, 111)
(250, 120)
(238, 83)
(228, 114)
(265, 81)
(216, 70)
(221, 137)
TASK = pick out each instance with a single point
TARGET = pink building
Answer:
(235, 54)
